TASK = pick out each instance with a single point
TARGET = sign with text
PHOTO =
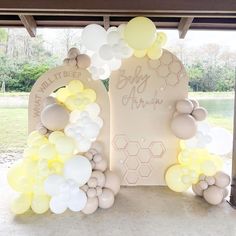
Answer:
(143, 94)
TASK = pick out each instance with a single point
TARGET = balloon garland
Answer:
(63, 166)
(199, 162)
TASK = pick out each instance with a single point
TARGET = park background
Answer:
(209, 57)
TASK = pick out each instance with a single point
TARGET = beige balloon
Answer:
(49, 100)
(210, 180)
(112, 181)
(213, 195)
(97, 146)
(222, 180)
(100, 177)
(184, 106)
(199, 113)
(73, 53)
(184, 126)
(83, 61)
(195, 103)
(197, 190)
(54, 117)
(102, 165)
(92, 192)
(106, 199)
(91, 206)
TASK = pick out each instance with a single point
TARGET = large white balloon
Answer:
(93, 37)
(222, 141)
(77, 201)
(57, 204)
(113, 37)
(106, 52)
(78, 169)
(53, 183)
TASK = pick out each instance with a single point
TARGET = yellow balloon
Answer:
(140, 33)
(40, 203)
(70, 102)
(19, 179)
(65, 145)
(31, 153)
(208, 168)
(173, 179)
(154, 52)
(90, 95)
(47, 151)
(62, 94)
(75, 86)
(34, 134)
(54, 136)
(21, 204)
(37, 141)
(140, 53)
(161, 39)
(56, 166)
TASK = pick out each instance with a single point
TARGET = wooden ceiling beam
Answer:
(29, 23)
(184, 25)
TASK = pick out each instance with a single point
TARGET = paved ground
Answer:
(137, 211)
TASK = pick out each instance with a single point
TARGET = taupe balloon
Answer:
(199, 113)
(222, 180)
(213, 195)
(106, 199)
(42, 130)
(184, 126)
(184, 106)
(102, 165)
(54, 117)
(210, 180)
(100, 177)
(195, 103)
(92, 183)
(91, 206)
(83, 61)
(197, 190)
(92, 192)
(72, 62)
(202, 184)
(49, 100)
(112, 181)
(73, 53)
(97, 146)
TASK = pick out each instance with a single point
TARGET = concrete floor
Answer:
(137, 211)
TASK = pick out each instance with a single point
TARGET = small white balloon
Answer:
(53, 184)
(121, 30)
(78, 169)
(75, 115)
(57, 205)
(91, 130)
(106, 52)
(113, 37)
(93, 37)
(99, 121)
(84, 145)
(110, 29)
(114, 64)
(77, 200)
(93, 109)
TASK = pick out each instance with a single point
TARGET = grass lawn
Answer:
(13, 129)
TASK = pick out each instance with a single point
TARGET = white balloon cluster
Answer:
(216, 140)
(108, 48)
(84, 126)
(64, 190)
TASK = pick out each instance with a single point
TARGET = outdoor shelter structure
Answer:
(181, 15)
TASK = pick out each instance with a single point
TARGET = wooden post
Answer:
(184, 26)
(232, 200)
(29, 23)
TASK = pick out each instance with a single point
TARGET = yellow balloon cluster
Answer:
(74, 96)
(42, 157)
(140, 34)
(192, 163)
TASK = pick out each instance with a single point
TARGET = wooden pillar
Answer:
(232, 200)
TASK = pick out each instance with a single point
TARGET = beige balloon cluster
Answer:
(74, 58)
(54, 116)
(103, 184)
(212, 188)
(188, 111)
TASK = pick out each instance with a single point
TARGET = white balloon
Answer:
(78, 169)
(222, 141)
(127, 51)
(106, 52)
(53, 184)
(78, 200)
(91, 130)
(96, 60)
(113, 37)
(121, 30)
(93, 37)
(84, 145)
(99, 121)
(74, 116)
(114, 64)
(110, 29)
(57, 205)
(93, 109)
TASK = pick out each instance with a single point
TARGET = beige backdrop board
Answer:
(143, 94)
(59, 77)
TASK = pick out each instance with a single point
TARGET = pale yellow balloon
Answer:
(40, 203)
(140, 53)
(56, 166)
(154, 52)
(65, 145)
(208, 168)
(173, 179)
(75, 86)
(31, 153)
(55, 135)
(140, 33)
(19, 179)
(90, 94)
(70, 102)
(161, 39)
(62, 94)
(21, 204)
(47, 151)
(37, 141)
(34, 134)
